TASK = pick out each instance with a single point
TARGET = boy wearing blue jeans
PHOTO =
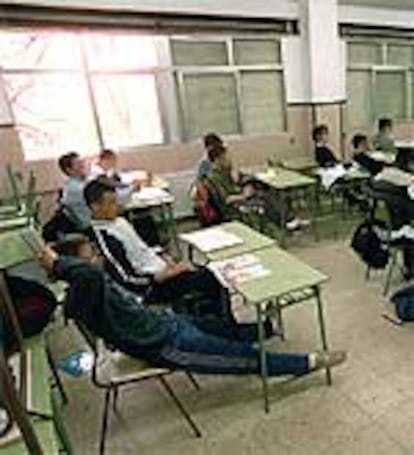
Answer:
(163, 338)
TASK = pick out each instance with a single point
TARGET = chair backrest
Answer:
(17, 247)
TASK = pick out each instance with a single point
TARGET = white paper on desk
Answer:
(212, 239)
(238, 270)
(150, 193)
(331, 174)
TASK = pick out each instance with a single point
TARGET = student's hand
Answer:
(48, 257)
(171, 271)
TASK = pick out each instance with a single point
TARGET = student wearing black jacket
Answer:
(324, 156)
(164, 339)
(360, 155)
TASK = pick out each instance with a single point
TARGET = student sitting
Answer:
(131, 262)
(384, 140)
(361, 156)
(163, 339)
(143, 222)
(392, 185)
(105, 166)
(210, 140)
(323, 154)
(228, 196)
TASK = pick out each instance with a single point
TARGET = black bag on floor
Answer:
(404, 303)
(34, 305)
(369, 247)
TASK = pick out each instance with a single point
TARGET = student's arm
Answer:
(118, 265)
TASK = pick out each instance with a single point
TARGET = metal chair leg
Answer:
(390, 271)
(105, 421)
(193, 381)
(56, 377)
(115, 400)
(181, 407)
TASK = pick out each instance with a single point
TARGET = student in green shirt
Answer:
(384, 140)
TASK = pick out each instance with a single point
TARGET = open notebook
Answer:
(212, 239)
(239, 270)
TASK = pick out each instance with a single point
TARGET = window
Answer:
(380, 81)
(81, 91)
(229, 85)
(53, 114)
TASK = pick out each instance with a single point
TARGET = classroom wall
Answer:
(245, 150)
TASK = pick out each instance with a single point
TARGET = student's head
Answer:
(100, 195)
(76, 245)
(107, 159)
(385, 125)
(360, 143)
(73, 165)
(218, 156)
(320, 134)
(212, 140)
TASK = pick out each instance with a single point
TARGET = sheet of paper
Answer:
(150, 193)
(331, 174)
(212, 239)
(238, 270)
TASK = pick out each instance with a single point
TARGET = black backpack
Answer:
(34, 305)
(368, 246)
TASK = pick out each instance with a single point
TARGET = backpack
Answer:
(204, 205)
(369, 247)
(404, 303)
(34, 305)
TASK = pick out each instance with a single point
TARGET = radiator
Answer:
(180, 184)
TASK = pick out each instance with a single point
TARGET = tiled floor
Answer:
(368, 410)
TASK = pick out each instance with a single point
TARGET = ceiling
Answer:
(399, 4)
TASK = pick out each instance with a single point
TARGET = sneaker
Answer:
(293, 224)
(328, 359)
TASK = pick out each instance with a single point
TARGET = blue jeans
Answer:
(190, 349)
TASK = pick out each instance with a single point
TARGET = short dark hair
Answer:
(384, 123)
(318, 131)
(214, 152)
(65, 162)
(358, 139)
(107, 153)
(212, 140)
(95, 189)
(69, 245)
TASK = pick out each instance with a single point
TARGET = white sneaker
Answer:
(293, 224)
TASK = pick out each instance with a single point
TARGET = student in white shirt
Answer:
(134, 265)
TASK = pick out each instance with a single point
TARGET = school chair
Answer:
(112, 371)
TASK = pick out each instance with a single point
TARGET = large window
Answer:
(86, 90)
(380, 81)
(229, 85)
(81, 91)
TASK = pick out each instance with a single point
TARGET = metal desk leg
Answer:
(168, 219)
(322, 329)
(283, 218)
(263, 357)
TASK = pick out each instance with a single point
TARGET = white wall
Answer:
(376, 16)
(248, 8)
